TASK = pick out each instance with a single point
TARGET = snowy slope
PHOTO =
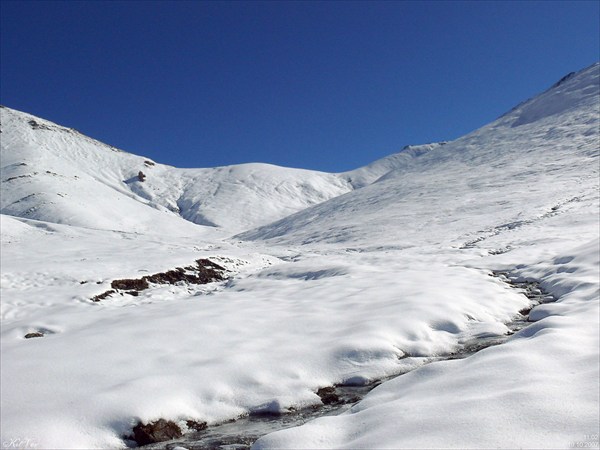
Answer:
(370, 282)
(538, 390)
(55, 174)
(466, 189)
(370, 173)
(51, 173)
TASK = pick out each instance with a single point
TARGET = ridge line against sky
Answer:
(328, 86)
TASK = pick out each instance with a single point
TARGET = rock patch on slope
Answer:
(204, 272)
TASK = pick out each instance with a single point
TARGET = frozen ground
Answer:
(391, 264)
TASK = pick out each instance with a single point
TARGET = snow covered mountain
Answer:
(552, 135)
(58, 175)
(332, 280)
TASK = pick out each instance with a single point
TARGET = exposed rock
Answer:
(102, 296)
(525, 311)
(37, 126)
(34, 335)
(207, 263)
(195, 425)
(328, 395)
(20, 176)
(158, 431)
(204, 272)
(563, 79)
(130, 284)
(141, 176)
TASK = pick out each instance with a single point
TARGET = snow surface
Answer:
(390, 266)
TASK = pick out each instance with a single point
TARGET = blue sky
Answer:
(319, 85)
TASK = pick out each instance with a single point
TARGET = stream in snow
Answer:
(240, 434)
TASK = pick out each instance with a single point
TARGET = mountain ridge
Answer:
(525, 136)
(35, 149)
(50, 172)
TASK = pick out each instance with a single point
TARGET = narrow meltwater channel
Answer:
(240, 434)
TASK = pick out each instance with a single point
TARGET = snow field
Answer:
(539, 390)
(251, 346)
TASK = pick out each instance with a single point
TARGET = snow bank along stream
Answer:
(242, 433)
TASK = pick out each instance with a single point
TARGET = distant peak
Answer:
(419, 146)
(566, 94)
(563, 79)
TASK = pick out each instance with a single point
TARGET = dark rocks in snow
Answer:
(20, 176)
(149, 163)
(130, 284)
(141, 176)
(158, 431)
(37, 126)
(563, 79)
(35, 334)
(171, 277)
(204, 272)
(102, 296)
(195, 425)
(328, 395)
(207, 263)
(525, 311)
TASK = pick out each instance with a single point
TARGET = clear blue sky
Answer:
(319, 85)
